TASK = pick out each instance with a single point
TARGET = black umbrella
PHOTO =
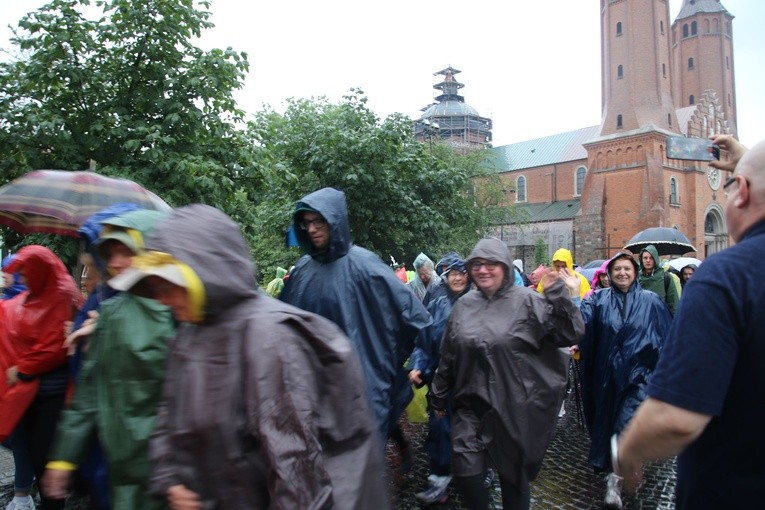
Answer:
(668, 241)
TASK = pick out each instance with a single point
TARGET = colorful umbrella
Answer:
(59, 201)
(668, 241)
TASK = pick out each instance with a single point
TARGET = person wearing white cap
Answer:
(264, 403)
(120, 382)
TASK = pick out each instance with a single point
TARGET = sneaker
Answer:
(436, 493)
(613, 500)
(25, 503)
(488, 480)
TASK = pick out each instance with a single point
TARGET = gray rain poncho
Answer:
(502, 366)
(263, 403)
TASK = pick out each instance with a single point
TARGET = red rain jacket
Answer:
(32, 328)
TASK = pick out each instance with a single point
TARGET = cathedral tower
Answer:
(702, 51)
(626, 189)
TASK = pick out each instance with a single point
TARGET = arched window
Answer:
(691, 99)
(520, 189)
(581, 172)
(690, 63)
(669, 119)
(727, 62)
(673, 198)
(619, 121)
(706, 26)
(685, 30)
(694, 28)
(620, 72)
(618, 28)
(661, 26)
(664, 70)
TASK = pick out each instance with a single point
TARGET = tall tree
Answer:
(403, 197)
(131, 93)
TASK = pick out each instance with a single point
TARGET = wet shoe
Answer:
(436, 493)
(613, 500)
(26, 503)
(488, 480)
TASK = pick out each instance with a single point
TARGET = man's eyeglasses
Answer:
(488, 264)
(319, 223)
(729, 181)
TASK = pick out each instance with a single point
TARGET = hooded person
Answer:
(624, 335)
(686, 273)
(263, 403)
(425, 275)
(32, 356)
(438, 288)
(119, 382)
(503, 370)
(652, 277)
(422, 366)
(536, 276)
(562, 258)
(11, 282)
(356, 290)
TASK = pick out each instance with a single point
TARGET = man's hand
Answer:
(181, 498)
(734, 148)
(55, 483)
(415, 377)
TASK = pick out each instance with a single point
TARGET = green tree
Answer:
(540, 253)
(131, 93)
(403, 198)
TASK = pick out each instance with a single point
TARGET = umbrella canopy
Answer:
(59, 201)
(593, 264)
(679, 264)
(668, 241)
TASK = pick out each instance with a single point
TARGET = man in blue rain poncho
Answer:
(356, 290)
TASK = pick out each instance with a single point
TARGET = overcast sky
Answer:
(534, 70)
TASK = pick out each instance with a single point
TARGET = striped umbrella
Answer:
(59, 201)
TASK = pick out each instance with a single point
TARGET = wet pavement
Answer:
(565, 482)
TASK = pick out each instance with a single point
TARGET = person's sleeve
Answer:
(584, 287)
(443, 378)
(557, 315)
(673, 297)
(281, 399)
(700, 353)
(165, 473)
(76, 427)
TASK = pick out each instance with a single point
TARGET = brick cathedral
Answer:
(592, 189)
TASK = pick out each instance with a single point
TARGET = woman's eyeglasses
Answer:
(488, 264)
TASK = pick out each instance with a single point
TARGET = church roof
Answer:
(693, 7)
(547, 211)
(543, 151)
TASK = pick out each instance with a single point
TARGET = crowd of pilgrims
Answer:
(170, 380)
